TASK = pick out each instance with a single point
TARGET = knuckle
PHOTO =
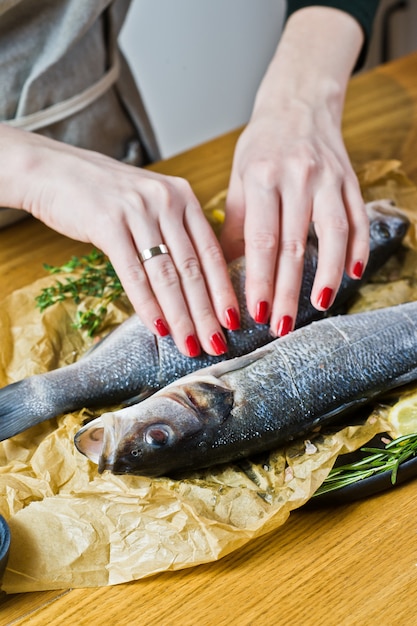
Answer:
(213, 253)
(268, 283)
(331, 225)
(338, 223)
(306, 157)
(129, 200)
(160, 192)
(293, 248)
(182, 185)
(263, 240)
(303, 164)
(190, 269)
(205, 317)
(135, 275)
(166, 274)
(171, 194)
(263, 173)
(255, 278)
(138, 290)
(290, 295)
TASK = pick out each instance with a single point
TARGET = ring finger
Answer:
(167, 305)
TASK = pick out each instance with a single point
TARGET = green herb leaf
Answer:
(378, 460)
(94, 276)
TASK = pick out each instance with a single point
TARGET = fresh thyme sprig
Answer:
(377, 461)
(94, 276)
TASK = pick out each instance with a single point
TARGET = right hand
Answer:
(123, 210)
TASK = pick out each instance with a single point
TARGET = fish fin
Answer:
(341, 411)
(209, 400)
(237, 363)
(405, 379)
(146, 393)
(15, 416)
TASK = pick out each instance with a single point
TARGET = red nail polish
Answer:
(261, 314)
(232, 319)
(218, 343)
(325, 298)
(193, 347)
(358, 269)
(161, 328)
(284, 326)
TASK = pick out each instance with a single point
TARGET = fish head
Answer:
(149, 438)
(388, 226)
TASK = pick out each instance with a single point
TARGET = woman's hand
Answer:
(123, 210)
(291, 168)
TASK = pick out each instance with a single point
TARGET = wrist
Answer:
(17, 162)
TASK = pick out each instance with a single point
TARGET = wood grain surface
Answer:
(354, 564)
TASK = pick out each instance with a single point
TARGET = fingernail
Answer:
(261, 314)
(232, 319)
(161, 328)
(284, 326)
(218, 343)
(325, 298)
(358, 269)
(193, 347)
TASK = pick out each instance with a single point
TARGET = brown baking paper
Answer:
(74, 528)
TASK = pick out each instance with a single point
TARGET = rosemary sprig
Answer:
(94, 276)
(378, 460)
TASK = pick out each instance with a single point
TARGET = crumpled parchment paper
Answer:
(74, 528)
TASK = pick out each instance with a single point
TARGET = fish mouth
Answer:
(89, 440)
(97, 441)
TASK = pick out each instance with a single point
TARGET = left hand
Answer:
(291, 168)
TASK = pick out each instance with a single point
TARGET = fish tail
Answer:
(16, 413)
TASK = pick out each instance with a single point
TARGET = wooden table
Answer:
(350, 565)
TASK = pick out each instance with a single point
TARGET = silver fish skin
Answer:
(259, 401)
(132, 363)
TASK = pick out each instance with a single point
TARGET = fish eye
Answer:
(381, 230)
(158, 435)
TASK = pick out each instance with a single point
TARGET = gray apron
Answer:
(62, 75)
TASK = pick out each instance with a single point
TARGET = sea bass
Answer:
(131, 363)
(257, 402)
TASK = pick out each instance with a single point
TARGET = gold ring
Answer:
(147, 254)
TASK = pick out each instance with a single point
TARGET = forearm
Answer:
(313, 62)
(364, 11)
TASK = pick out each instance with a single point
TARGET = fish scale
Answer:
(250, 336)
(346, 362)
(262, 400)
(131, 363)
